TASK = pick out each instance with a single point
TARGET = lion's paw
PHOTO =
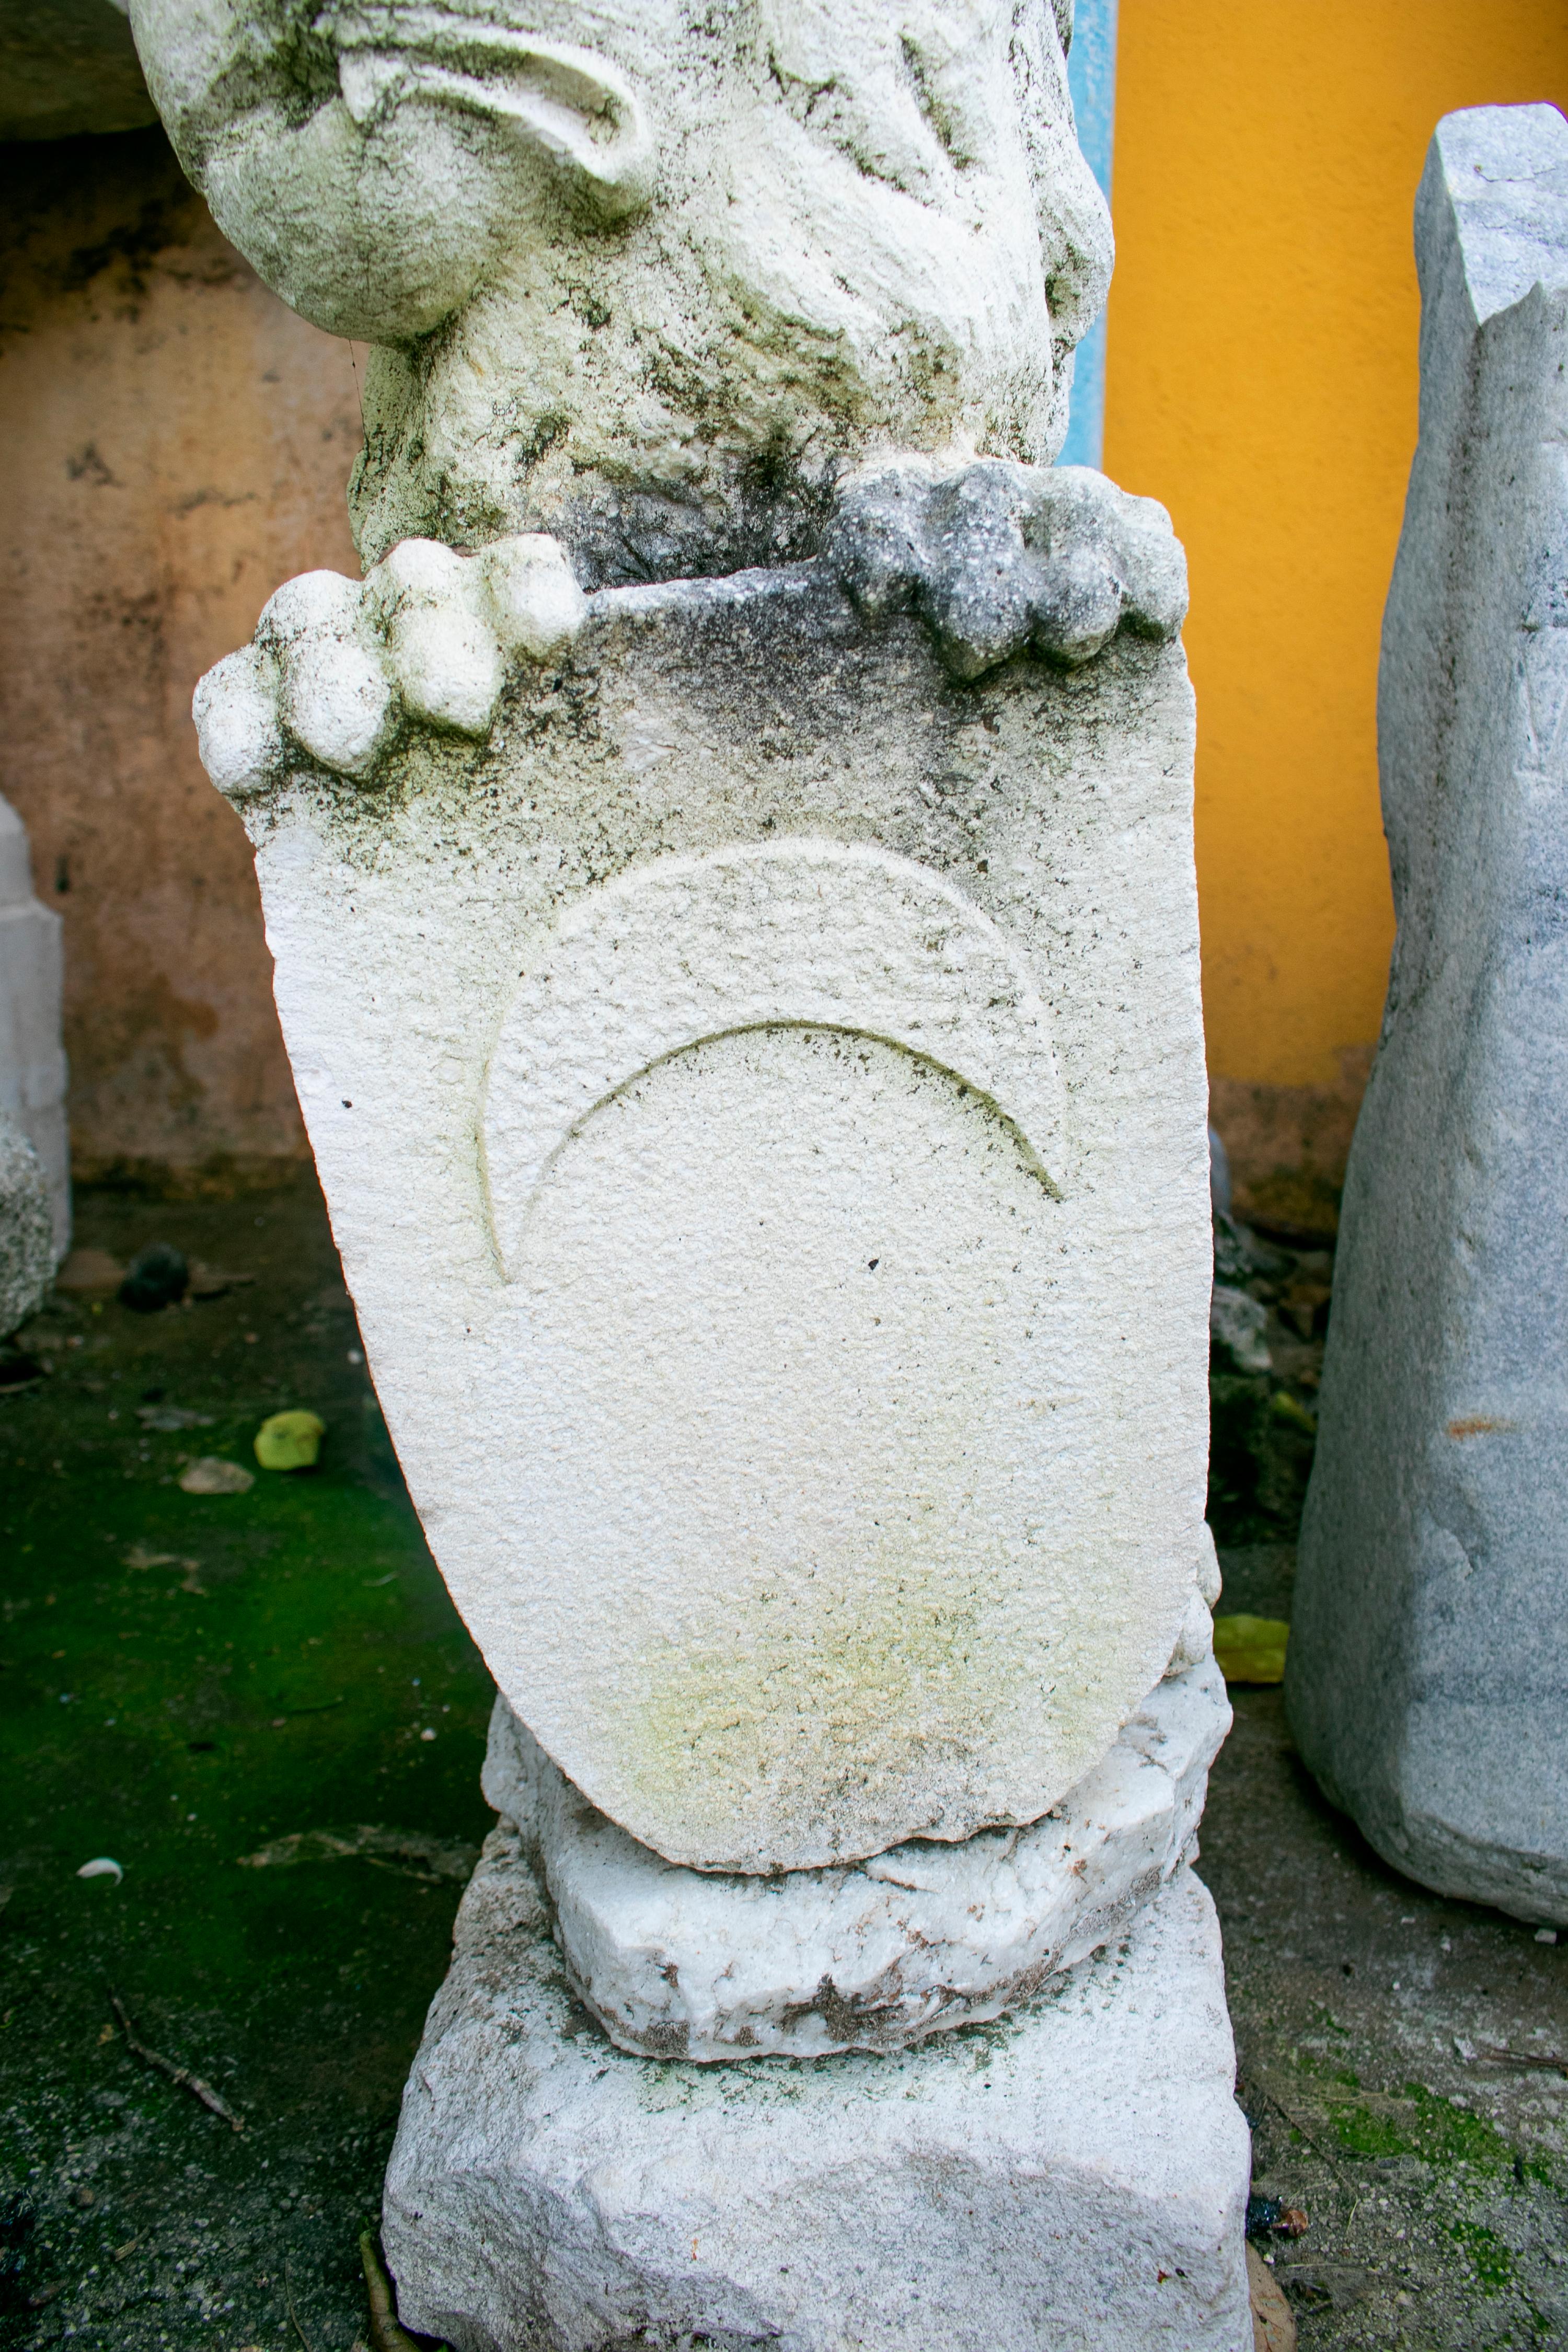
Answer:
(340, 668)
(996, 556)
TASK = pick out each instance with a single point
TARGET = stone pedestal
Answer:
(754, 1064)
(1428, 1664)
(1070, 2179)
(751, 1042)
(872, 1955)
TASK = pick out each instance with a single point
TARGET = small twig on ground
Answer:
(1297, 2125)
(288, 2296)
(180, 2074)
(385, 2334)
(1547, 2062)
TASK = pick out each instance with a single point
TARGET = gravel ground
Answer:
(1368, 2018)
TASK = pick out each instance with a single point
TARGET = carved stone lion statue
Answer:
(652, 274)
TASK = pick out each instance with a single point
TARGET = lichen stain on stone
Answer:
(837, 1698)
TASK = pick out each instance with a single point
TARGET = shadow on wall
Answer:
(69, 67)
(178, 442)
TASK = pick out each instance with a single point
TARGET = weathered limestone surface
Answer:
(741, 1080)
(27, 1242)
(1071, 2180)
(32, 1059)
(995, 557)
(642, 275)
(740, 1062)
(1428, 1664)
(693, 1964)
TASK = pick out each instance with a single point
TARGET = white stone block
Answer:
(32, 1059)
(1428, 1665)
(1069, 2179)
(712, 1965)
(759, 1091)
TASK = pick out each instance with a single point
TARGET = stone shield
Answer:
(743, 1147)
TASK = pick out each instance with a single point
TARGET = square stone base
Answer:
(1071, 2176)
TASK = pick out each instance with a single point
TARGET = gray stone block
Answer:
(27, 1247)
(1073, 2176)
(1429, 1673)
(33, 1073)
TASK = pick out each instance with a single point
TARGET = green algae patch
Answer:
(1420, 2124)
(187, 1683)
(1491, 2259)
(811, 1692)
(835, 1702)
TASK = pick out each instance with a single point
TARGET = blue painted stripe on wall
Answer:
(1091, 78)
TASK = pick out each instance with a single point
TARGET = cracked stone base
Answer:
(713, 1965)
(1070, 2179)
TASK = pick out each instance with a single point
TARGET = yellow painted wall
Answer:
(1261, 381)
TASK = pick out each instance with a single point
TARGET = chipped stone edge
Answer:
(716, 1966)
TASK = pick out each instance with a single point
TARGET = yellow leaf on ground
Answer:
(289, 1441)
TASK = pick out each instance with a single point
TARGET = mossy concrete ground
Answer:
(1371, 2021)
(181, 1718)
(274, 1668)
